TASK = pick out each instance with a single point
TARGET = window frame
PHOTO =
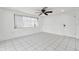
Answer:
(15, 27)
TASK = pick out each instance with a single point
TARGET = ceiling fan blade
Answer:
(45, 13)
(40, 14)
(48, 12)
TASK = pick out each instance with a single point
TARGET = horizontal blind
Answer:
(24, 21)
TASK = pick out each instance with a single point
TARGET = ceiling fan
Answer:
(45, 11)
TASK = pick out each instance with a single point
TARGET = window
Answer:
(25, 21)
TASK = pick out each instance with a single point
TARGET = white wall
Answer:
(7, 30)
(54, 24)
(50, 24)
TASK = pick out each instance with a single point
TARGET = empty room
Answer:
(39, 29)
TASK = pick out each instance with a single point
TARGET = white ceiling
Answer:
(35, 10)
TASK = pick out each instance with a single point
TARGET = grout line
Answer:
(59, 43)
(22, 45)
(76, 45)
(67, 44)
(54, 42)
(14, 45)
(50, 41)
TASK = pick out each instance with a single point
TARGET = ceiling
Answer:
(36, 10)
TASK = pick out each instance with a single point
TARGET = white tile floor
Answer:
(40, 42)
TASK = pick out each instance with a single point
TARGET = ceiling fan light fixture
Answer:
(45, 11)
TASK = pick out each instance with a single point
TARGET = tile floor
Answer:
(40, 42)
